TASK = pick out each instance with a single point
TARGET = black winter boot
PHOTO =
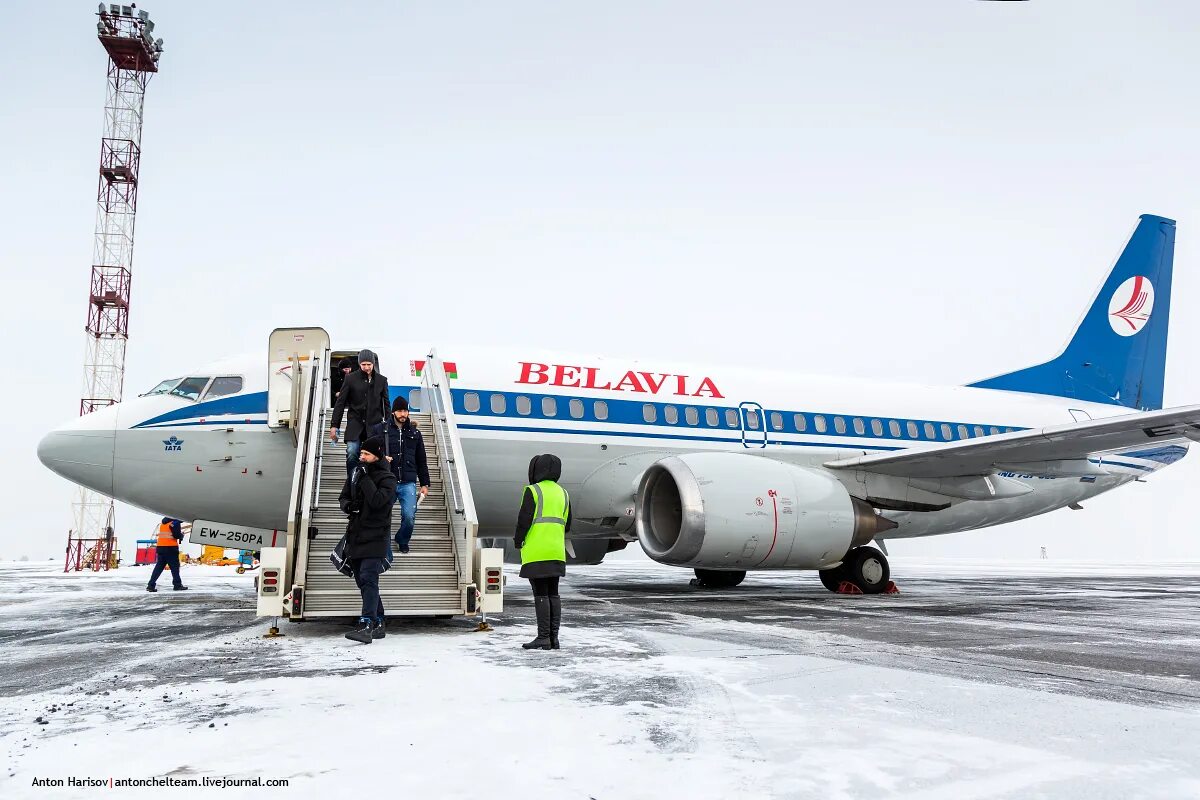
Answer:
(379, 629)
(541, 606)
(362, 631)
(555, 620)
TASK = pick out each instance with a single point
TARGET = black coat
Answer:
(407, 449)
(367, 498)
(367, 400)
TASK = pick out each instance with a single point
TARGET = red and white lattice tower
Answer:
(127, 34)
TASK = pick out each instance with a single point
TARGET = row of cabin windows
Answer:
(498, 403)
(713, 418)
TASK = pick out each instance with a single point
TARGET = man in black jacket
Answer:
(406, 448)
(365, 394)
(367, 498)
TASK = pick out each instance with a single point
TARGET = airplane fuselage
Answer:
(606, 419)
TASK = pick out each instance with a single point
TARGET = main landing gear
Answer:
(718, 578)
(864, 568)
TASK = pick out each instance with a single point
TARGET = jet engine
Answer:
(738, 512)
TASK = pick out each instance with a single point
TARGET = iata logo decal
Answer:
(1130, 306)
(173, 445)
(638, 382)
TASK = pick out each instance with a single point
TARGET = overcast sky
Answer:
(925, 191)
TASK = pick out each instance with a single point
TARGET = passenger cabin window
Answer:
(692, 415)
(471, 402)
(994, 431)
(223, 386)
(549, 407)
(524, 406)
(163, 387)
(839, 425)
(776, 421)
(962, 432)
(415, 400)
(498, 403)
(731, 418)
(801, 422)
(819, 423)
(649, 413)
(576, 407)
(191, 388)
(877, 427)
(978, 431)
(893, 427)
(751, 419)
(912, 429)
(929, 432)
(859, 427)
(671, 415)
(601, 409)
(947, 434)
(711, 418)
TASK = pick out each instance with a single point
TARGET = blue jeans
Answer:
(355, 447)
(166, 557)
(406, 496)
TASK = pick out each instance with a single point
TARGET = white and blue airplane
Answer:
(723, 470)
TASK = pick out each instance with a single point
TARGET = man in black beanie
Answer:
(367, 498)
(365, 394)
(406, 447)
(338, 376)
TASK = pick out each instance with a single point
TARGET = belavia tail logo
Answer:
(1130, 306)
(630, 381)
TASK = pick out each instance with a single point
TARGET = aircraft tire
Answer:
(867, 568)
(832, 578)
(719, 578)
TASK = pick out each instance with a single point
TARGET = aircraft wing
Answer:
(1077, 440)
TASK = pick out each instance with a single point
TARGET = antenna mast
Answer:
(127, 34)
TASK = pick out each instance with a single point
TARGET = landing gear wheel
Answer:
(867, 568)
(241, 570)
(718, 578)
(832, 578)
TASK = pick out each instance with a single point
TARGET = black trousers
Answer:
(167, 557)
(366, 577)
(544, 587)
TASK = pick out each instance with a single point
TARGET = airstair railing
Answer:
(308, 453)
(460, 503)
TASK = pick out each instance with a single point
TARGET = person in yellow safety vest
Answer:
(542, 526)
(170, 533)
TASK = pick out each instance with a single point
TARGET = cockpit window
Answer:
(224, 385)
(191, 388)
(163, 387)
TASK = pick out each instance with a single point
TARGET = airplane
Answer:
(722, 470)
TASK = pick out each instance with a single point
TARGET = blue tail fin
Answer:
(1118, 353)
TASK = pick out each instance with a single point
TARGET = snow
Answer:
(666, 706)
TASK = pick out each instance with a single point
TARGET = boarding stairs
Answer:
(423, 581)
(445, 572)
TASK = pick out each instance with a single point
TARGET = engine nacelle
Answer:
(740, 512)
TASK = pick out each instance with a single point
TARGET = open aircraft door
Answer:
(754, 425)
(289, 352)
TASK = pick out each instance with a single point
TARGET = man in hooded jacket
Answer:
(367, 498)
(542, 526)
(365, 394)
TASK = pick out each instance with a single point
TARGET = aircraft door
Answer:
(754, 425)
(289, 354)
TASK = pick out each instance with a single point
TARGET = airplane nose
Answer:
(82, 451)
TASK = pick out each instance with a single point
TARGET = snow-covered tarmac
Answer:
(1041, 679)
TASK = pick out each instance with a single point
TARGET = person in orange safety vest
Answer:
(170, 532)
